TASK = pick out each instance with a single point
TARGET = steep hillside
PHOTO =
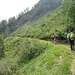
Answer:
(42, 7)
(58, 21)
(52, 62)
(20, 51)
(44, 27)
(26, 56)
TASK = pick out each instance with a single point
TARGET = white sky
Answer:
(10, 8)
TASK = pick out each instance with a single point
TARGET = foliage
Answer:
(69, 6)
(44, 27)
(58, 21)
(32, 56)
(19, 51)
(51, 62)
(25, 49)
(1, 47)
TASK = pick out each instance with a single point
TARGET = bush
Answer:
(31, 49)
(61, 35)
(26, 49)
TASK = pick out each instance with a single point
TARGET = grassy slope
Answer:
(55, 60)
(44, 26)
(73, 63)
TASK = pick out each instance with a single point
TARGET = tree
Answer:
(1, 47)
(12, 23)
(7, 31)
(4, 22)
(26, 10)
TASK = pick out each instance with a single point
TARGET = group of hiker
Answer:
(70, 39)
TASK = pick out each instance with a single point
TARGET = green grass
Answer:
(45, 58)
(51, 62)
(55, 61)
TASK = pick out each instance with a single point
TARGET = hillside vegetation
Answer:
(27, 51)
(57, 21)
(44, 27)
(26, 56)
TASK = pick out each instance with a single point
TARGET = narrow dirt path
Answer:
(73, 67)
(73, 64)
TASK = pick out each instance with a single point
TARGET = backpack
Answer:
(72, 35)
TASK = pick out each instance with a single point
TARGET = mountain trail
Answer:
(73, 64)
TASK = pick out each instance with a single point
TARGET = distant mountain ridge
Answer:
(44, 6)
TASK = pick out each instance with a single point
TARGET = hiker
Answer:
(71, 40)
(68, 37)
(54, 37)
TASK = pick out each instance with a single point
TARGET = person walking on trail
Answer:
(54, 37)
(68, 36)
(71, 40)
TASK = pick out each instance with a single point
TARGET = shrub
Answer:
(26, 49)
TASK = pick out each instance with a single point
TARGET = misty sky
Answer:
(10, 8)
